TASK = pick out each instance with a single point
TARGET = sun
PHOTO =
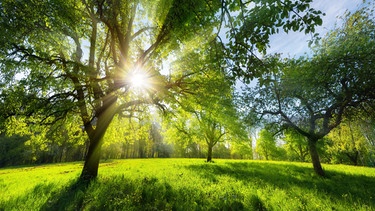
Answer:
(138, 79)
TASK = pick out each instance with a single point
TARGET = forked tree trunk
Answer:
(315, 157)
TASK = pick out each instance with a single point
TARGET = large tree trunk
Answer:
(209, 153)
(315, 157)
(91, 166)
(104, 118)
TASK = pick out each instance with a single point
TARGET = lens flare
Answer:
(138, 80)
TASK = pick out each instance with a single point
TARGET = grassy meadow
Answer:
(188, 184)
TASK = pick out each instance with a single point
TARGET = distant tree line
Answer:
(25, 145)
(352, 143)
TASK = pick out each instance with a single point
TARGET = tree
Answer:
(209, 109)
(241, 149)
(66, 141)
(178, 131)
(13, 150)
(368, 131)
(266, 145)
(312, 95)
(348, 143)
(217, 119)
(195, 128)
(59, 76)
(137, 137)
(29, 143)
(295, 145)
(212, 131)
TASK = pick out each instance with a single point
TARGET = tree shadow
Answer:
(34, 199)
(68, 198)
(150, 193)
(147, 193)
(336, 185)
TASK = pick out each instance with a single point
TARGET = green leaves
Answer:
(313, 95)
(256, 23)
(188, 19)
(266, 145)
(348, 143)
(204, 111)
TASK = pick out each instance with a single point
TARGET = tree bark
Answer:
(104, 118)
(91, 166)
(315, 157)
(209, 153)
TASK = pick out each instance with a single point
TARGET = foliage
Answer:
(59, 76)
(206, 115)
(135, 138)
(13, 150)
(266, 145)
(349, 145)
(250, 31)
(63, 58)
(368, 131)
(296, 146)
(188, 184)
(312, 95)
(179, 129)
(26, 142)
(242, 149)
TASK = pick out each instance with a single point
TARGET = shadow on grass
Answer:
(123, 193)
(68, 198)
(150, 193)
(338, 186)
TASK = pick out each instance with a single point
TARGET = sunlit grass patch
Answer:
(22, 179)
(188, 184)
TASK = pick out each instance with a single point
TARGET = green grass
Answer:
(188, 184)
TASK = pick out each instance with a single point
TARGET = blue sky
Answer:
(296, 43)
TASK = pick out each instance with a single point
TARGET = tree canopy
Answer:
(80, 58)
(60, 75)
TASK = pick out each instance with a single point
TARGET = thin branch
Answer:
(141, 31)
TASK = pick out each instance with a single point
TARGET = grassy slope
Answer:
(188, 184)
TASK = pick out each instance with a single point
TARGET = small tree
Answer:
(266, 145)
(349, 145)
(295, 145)
(211, 130)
